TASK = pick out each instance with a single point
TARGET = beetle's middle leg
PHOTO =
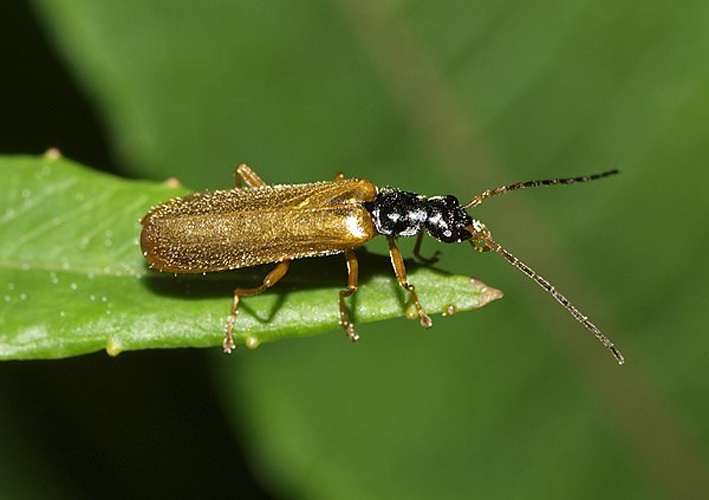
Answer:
(352, 284)
(397, 262)
(271, 279)
(245, 173)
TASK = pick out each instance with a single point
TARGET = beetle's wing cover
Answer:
(230, 229)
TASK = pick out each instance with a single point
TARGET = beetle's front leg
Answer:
(397, 262)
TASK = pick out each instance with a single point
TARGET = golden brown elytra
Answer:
(262, 224)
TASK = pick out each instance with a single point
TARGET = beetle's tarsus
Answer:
(228, 342)
(351, 333)
(228, 345)
(426, 321)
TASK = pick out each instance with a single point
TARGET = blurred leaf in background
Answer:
(515, 400)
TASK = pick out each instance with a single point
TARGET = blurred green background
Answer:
(513, 401)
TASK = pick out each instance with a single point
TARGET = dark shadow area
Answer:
(143, 425)
(311, 273)
(303, 274)
(41, 105)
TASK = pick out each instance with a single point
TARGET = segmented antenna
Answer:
(528, 184)
(482, 240)
(560, 298)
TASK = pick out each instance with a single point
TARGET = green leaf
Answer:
(74, 279)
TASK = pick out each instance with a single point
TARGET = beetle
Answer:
(275, 224)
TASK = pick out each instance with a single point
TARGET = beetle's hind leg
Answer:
(397, 262)
(352, 284)
(271, 279)
(244, 173)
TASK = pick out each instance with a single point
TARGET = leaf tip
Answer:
(487, 293)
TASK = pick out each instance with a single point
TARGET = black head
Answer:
(401, 213)
(447, 220)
